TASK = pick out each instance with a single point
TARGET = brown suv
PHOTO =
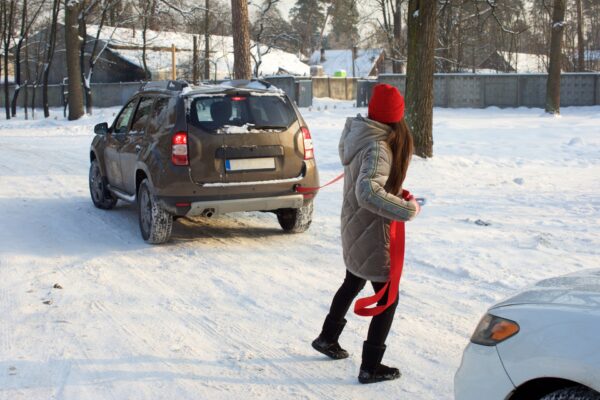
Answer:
(181, 151)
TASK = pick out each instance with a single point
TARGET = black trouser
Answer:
(380, 324)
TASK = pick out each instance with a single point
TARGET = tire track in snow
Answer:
(232, 336)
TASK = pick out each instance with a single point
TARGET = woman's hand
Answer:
(415, 204)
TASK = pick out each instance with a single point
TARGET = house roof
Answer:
(527, 63)
(336, 60)
(128, 44)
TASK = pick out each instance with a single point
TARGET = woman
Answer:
(375, 152)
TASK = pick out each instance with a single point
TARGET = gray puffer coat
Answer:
(368, 209)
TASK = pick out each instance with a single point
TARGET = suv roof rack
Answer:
(171, 85)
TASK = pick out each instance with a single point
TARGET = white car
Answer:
(543, 343)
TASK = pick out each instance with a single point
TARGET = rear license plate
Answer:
(247, 164)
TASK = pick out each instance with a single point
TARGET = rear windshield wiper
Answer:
(267, 127)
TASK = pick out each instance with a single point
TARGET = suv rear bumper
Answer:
(216, 207)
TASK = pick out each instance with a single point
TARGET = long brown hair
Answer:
(400, 141)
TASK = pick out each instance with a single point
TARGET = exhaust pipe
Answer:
(208, 212)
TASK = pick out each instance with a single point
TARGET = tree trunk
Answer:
(147, 73)
(18, 59)
(49, 56)
(206, 42)
(195, 68)
(419, 74)
(27, 78)
(241, 40)
(8, 15)
(580, 44)
(397, 50)
(72, 49)
(553, 83)
(82, 45)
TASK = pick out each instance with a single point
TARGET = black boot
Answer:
(327, 342)
(371, 369)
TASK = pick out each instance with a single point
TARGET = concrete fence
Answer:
(116, 94)
(501, 90)
(103, 94)
(450, 90)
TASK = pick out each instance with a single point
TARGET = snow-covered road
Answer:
(228, 309)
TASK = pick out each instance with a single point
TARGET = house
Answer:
(120, 53)
(355, 62)
(481, 59)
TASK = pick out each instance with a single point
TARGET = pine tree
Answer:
(242, 68)
(344, 19)
(553, 82)
(307, 18)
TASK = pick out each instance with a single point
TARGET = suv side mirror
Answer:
(101, 129)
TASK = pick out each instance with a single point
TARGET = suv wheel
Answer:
(155, 222)
(101, 197)
(295, 220)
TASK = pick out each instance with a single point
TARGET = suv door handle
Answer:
(138, 148)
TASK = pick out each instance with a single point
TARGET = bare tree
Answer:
(26, 25)
(580, 43)
(268, 31)
(419, 73)
(72, 43)
(49, 55)
(553, 82)
(391, 25)
(206, 40)
(97, 49)
(241, 40)
(8, 15)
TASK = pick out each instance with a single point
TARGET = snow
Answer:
(525, 63)
(221, 47)
(337, 60)
(228, 309)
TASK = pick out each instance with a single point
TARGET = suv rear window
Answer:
(241, 113)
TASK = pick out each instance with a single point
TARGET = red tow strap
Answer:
(397, 242)
(302, 189)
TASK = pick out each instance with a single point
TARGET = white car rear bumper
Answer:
(481, 375)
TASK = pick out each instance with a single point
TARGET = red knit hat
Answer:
(386, 104)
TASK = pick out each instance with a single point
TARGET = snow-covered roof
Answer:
(527, 63)
(128, 43)
(336, 60)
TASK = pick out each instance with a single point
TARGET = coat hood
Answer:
(357, 134)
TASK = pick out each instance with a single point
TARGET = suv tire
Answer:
(295, 220)
(101, 197)
(155, 222)
(573, 393)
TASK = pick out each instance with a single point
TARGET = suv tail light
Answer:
(309, 151)
(179, 149)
